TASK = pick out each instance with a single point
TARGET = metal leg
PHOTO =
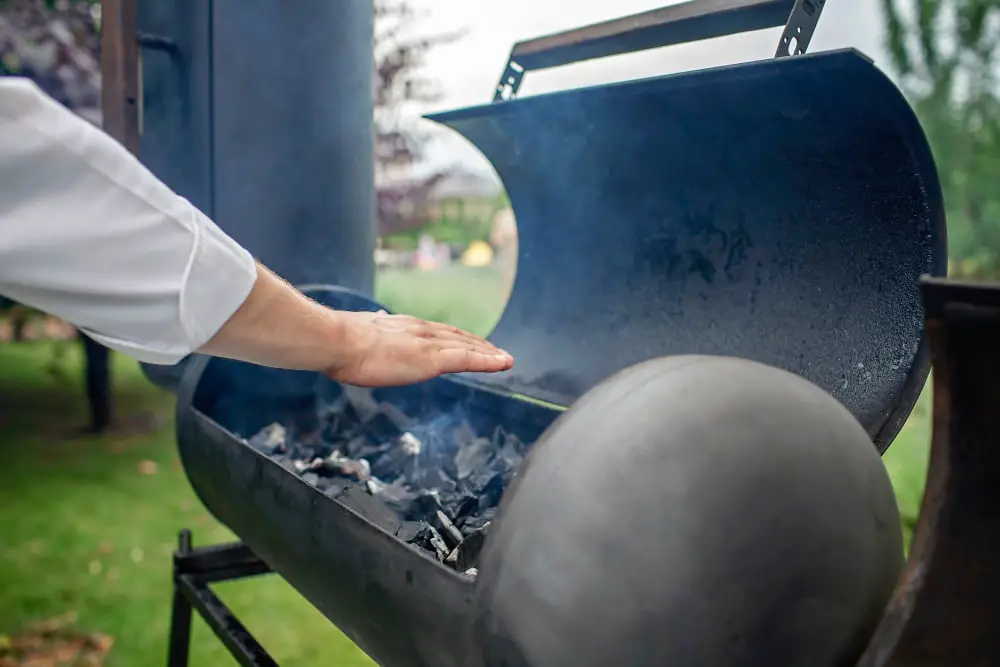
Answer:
(98, 383)
(194, 570)
(180, 631)
(241, 644)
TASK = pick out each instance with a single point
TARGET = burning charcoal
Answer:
(452, 559)
(332, 487)
(333, 428)
(387, 423)
(410, 444)
(362, 447)
(270, 441)
(424, 506)
(360, 405)
(332, 409)
(338, 464)
(467, 553)
(439, 545)
(399, 460)
(357, 498)
(472, 456)
(428, 538)
(462, 506)
(479, 521)
(401, 420)
(306, 426)
(509, 453)
(435, 483)
(396, 496)
(452, 535)
(423, 535)
(433, 478)
(492, 492)
(409, 531)
(463, 434)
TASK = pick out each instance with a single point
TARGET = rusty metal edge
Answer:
(948, 598)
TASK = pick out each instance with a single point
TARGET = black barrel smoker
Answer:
(780, 211)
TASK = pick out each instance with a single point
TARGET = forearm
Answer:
(278, 326)
(90, 235)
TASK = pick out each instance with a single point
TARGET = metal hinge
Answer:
(800, 28)
(510, 82)
(795, 39)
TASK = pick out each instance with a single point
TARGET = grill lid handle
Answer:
(676, 24)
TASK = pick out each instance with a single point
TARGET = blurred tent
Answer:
(479, 253)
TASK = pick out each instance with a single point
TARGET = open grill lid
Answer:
(780, 211)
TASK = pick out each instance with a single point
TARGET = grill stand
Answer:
(194, 571)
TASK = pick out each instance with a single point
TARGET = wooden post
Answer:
(120, 107)
(120, 72)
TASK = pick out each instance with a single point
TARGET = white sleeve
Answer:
(89, 235)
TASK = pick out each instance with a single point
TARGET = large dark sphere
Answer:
(692, 512)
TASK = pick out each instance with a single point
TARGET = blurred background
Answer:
(91, 491)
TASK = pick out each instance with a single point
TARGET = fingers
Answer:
(430, 330)
(469, 359)
(446, 333)
(448, 339)
(449, 332)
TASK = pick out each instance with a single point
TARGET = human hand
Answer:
(382, 350)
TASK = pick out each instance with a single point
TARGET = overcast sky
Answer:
(469, 69)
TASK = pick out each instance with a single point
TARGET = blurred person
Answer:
(503, 238)
(89, 235)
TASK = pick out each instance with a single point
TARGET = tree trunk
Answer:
(18, 323)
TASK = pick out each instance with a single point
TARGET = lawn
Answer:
(88, 525)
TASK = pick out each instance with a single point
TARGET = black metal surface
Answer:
(696, 511)
(194, 570)
(946, 605)
(780, 211)
(684, 22)
(280, 156)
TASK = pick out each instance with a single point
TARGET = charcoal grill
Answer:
(780, 211)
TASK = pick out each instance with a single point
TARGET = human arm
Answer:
(88, 234)
(278, 326)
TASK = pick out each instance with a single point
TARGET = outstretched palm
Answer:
(390, 350)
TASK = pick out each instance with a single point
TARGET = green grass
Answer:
(83, 529)
(470, 298)
(907, 460)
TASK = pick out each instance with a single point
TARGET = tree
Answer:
(400, 85)
(945, 53)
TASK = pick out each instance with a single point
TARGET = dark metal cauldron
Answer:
(781, 212)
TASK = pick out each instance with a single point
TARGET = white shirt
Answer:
(89, 235)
